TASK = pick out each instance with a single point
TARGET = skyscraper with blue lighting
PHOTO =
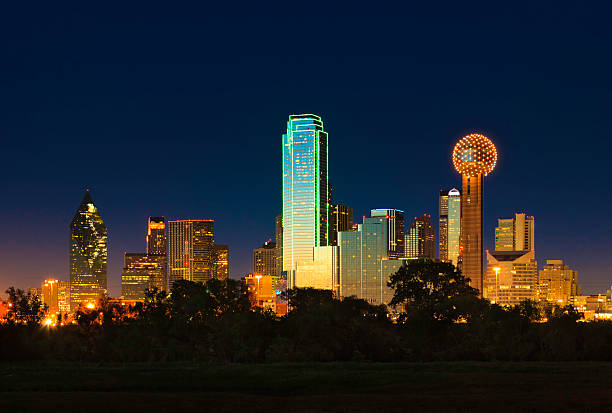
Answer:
(305, 191)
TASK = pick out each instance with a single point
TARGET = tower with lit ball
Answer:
(474, 157)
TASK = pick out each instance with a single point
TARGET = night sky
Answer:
(179, 112)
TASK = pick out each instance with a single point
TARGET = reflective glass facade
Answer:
(190, 250)
(421, 238)
(453, 227)
(319, 272)
(305, 191)
(88, 254)
(395, 230)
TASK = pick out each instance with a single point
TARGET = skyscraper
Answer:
(190, 250)
(421, 238)
(50, 297)
(365, 266)
(395, 232)
(515, 234)
(88, 252)
(305, 190)
(140, 272)
(341, 219)
(449, 228)
(512, 277)
(221, 261)
(264, 259)
(279, 245)
(474, 157)
(156, 248)
(558, 283)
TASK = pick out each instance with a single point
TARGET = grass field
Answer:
(345, 387)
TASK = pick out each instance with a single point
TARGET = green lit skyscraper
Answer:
(305, 191)
(87, 254)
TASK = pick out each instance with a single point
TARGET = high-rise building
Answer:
(305, 191)
(156, 236)
(264, 259)
(221, 261)
(341, 219)
(395, 232)
(321, 271)
(63, 296)
(449, 229)
(421, 238)
(279, 245)
(512, 277)
(558, 284)
(474, 157)
(515, 234)
(88, 252)
(190, 250)
(141, 272)
(365, 266)
(50, 295)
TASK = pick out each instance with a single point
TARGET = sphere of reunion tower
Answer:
(474, 155)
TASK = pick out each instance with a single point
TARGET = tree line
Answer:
(434, 315)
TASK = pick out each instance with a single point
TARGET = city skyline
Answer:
(154, 129)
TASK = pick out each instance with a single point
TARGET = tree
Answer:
(432, 289)
(24, 308)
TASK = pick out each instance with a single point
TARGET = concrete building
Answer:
(558, 284)
(190, 250)
(515, 234)
(341, 219)
(421, 238)
(264, 259)
(511, 277)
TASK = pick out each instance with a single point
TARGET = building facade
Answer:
(141, 272)
(421, 238)
(157, 248)
(88, 254)
(279, 244)
(515, 234)
(190, 250)
(365, 266)
(558, 283)
(341, 219)
(511, 277)
(449, 229)
(50, 295)
(395, 230)
(305, 190)
(264, 259)
(221, 261)
(321, 271)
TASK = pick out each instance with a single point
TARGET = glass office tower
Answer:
(87, 254)
(190, 250)
(305, 191)
(395, 230)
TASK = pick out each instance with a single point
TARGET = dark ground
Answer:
(345, 387)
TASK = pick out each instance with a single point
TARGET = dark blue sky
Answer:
(179, 112)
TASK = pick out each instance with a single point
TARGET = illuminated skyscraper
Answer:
(558, 283)
(512, 277)
(449, 235)
(87, 254)
(156, 248)
(279, 245)
(140, 272)
(515, 234)
(221, 261)
(50, 295)
(421, 238)
(365, 266)
(341, 219)
(305, 191)
(264, 259)
(190, 250)
(395, 232)
(63, 296)
(474, 156)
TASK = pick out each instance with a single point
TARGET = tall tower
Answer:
(449, 237)
(305, 191)
(157, 251)
(421, 238)
(515, 234)
(395, 230)
(474, 156)
(88, 254)
(190, 250)
(340, 219)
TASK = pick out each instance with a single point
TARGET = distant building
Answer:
(449, 226)
(264, 259)
(515, 234)
(341, 219)
(88, 254)
(222, 261)
(63, 296)
(421, 238)
(50, 295)
(558, 284)
(279, 245)
(511, 277)
(305, 190)
(190, 250)
(395, 230)
(321, 271)
(36, 292)
(267, 291)
(156, 249)
(365, 266)
(140, 273)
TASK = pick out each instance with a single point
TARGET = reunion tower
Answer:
(474, 157)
